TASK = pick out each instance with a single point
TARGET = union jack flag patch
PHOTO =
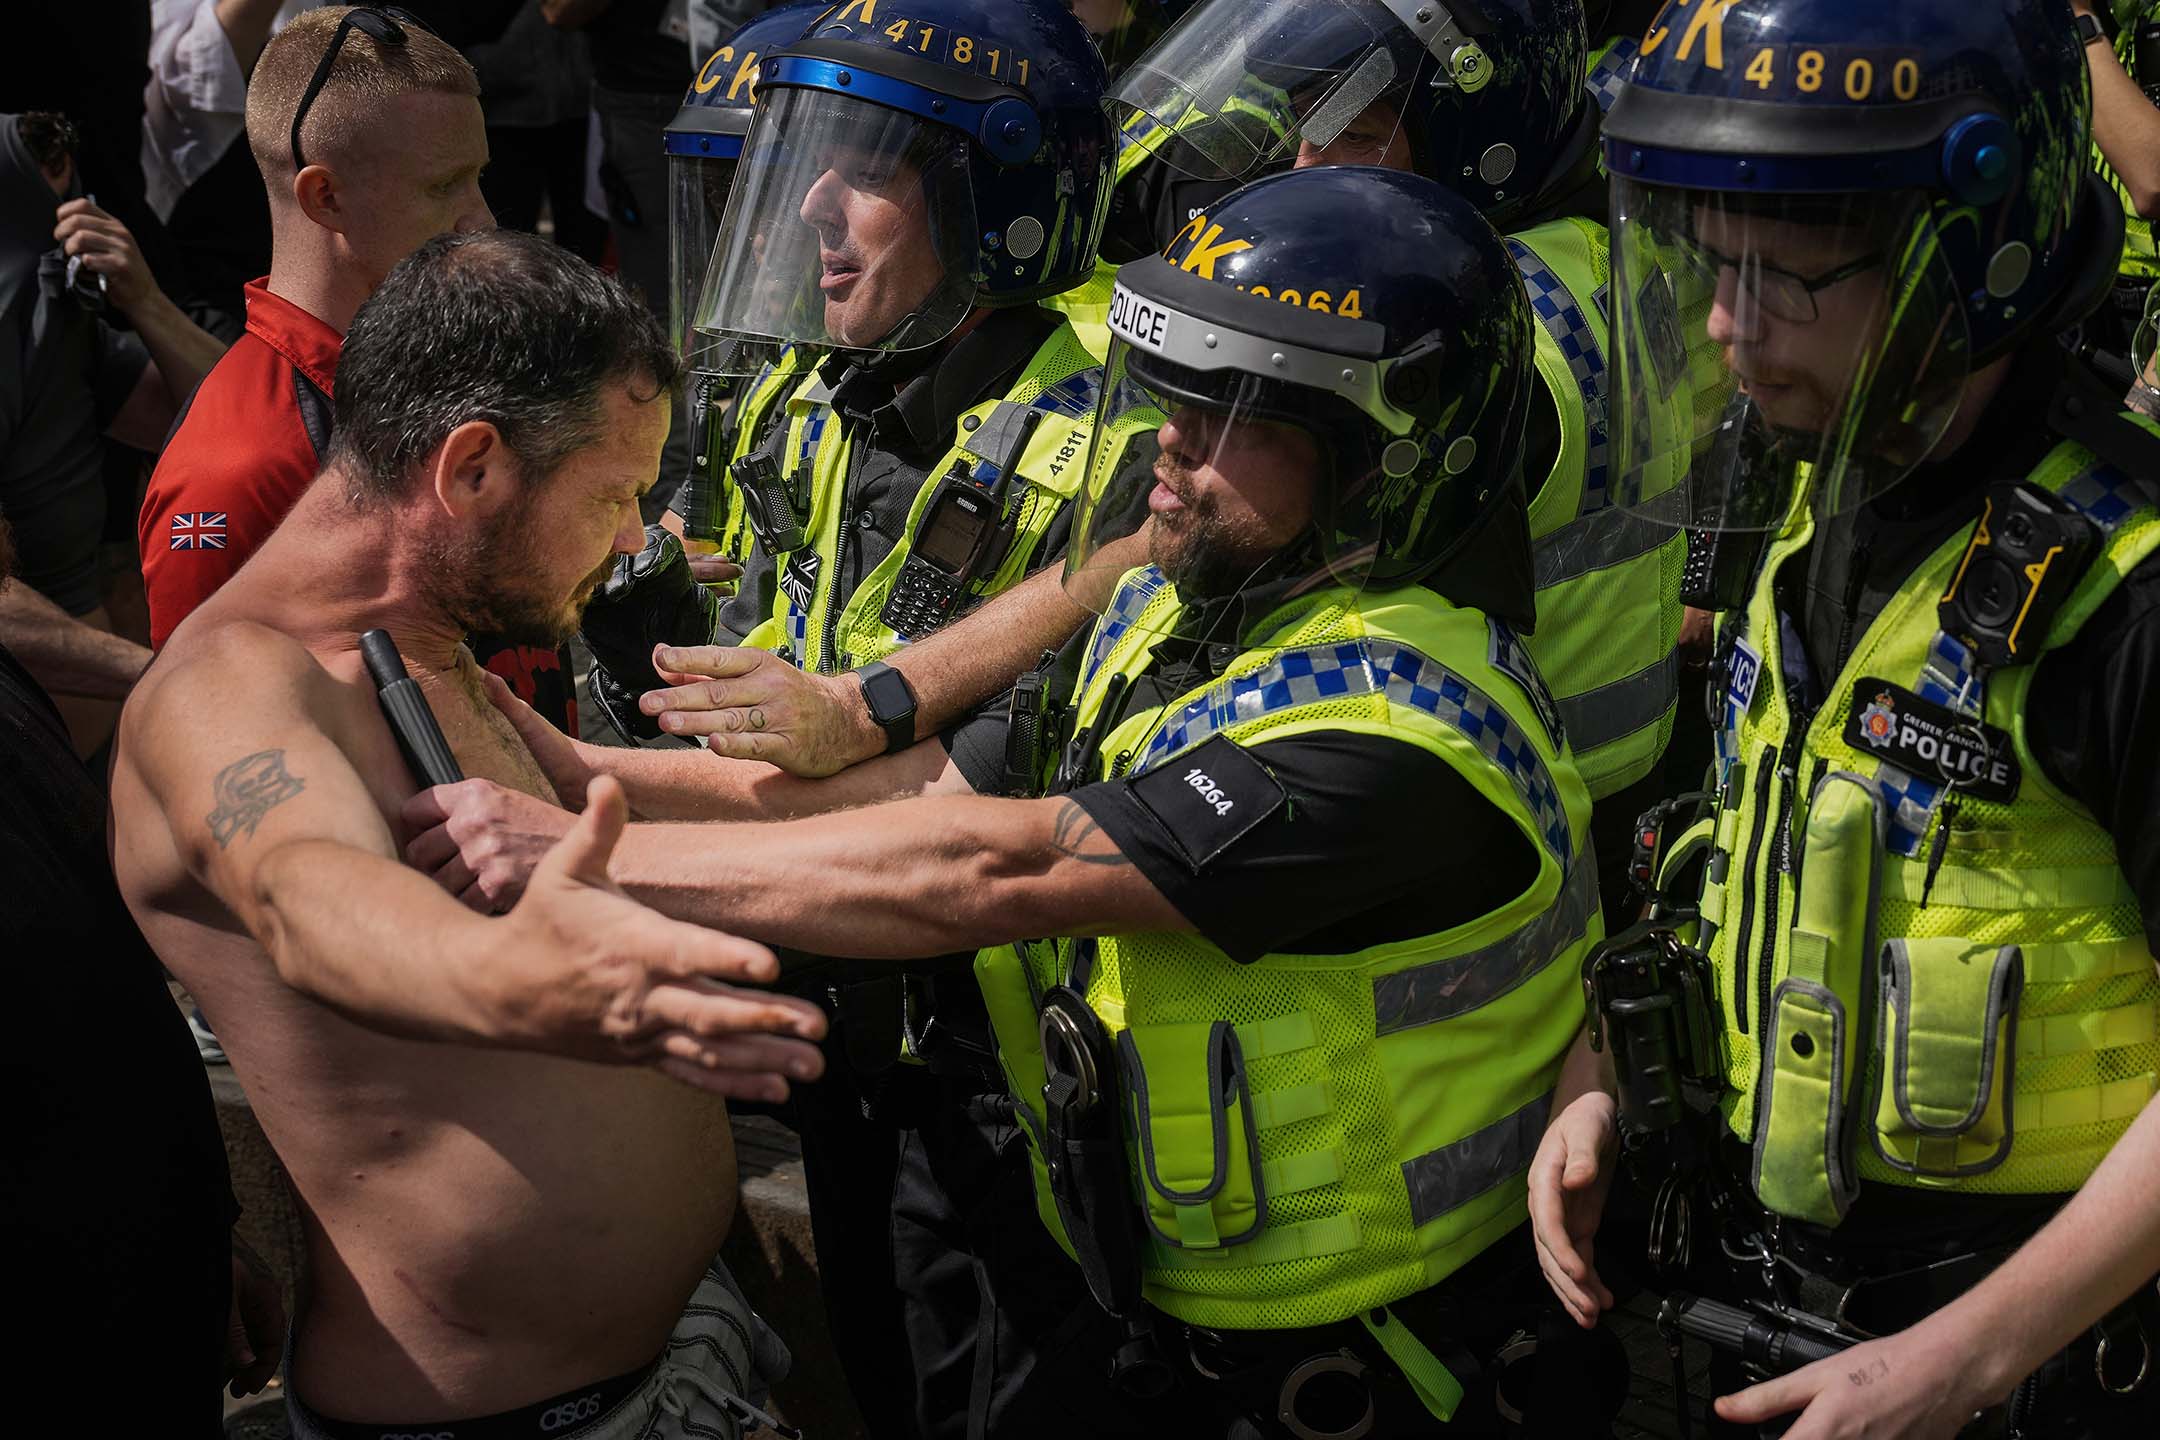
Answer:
(198, 530)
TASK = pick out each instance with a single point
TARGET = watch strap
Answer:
(891, 702)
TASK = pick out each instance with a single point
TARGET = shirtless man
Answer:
(508, 1225)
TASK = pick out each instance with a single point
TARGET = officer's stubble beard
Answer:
(1202, 552)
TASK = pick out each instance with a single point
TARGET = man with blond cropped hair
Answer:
(368, 132)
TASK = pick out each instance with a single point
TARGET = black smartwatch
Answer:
(891, 701)
(2089, 29)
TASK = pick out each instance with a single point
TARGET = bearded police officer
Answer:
(1486, 97)
(1896, 1065)
(1309, 826)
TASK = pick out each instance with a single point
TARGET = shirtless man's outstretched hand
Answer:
(654, 985)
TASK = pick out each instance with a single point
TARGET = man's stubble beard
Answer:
(477, 585)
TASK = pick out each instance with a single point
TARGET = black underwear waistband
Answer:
(542, 1420)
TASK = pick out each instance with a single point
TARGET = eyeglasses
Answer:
(1782, 293)
(384, 24)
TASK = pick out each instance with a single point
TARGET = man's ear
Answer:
(473, 474)
(319, 193)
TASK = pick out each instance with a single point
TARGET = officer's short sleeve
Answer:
(1324, 843)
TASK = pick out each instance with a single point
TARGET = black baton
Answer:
(420, 739)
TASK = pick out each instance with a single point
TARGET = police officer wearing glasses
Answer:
(1885, 1052)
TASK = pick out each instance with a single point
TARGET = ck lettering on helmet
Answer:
(740, 74)
(1202, 245)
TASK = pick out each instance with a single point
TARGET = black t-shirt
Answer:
(2093, 710)
(1358, 840)
(115, 1209)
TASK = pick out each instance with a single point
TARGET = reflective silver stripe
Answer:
(1597, 541)
(1443, 989)
(1613, 711)
(1454, 1175)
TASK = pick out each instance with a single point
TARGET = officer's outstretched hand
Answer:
(750, 704)
(1569, 1178)
(1908, 1386)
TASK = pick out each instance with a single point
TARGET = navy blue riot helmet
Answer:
(1377, 315)
(704, 141)
(908, 164)
(1485, 96)
(1855, 207)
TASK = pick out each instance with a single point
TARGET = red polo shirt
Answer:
(252, 437)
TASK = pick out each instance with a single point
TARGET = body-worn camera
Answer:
(2023, 560)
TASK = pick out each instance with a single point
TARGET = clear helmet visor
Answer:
(1239, 86)
(1227, 483)
(698, 188)
(1770, 351)
(849, 226)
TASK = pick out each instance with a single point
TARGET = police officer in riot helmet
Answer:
(1899, 1113)
(1488, 99)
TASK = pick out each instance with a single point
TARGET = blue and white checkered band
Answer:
(1563, 320)
(813, 431)
(1317, 675)
(1946, 679)
(1611, 71)
(2103, 495)
(1132, 597)
(1505, 653)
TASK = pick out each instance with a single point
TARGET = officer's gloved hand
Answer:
(652, 598)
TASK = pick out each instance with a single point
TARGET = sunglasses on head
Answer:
(385, 25)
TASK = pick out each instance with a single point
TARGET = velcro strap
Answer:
(1302, 1172)
(2085, 1105)
(1310, 1240)
(1435, 1385)
(2068, 887)
(2071, 962)
(2091, 1030)
(1283, 1035)
(1273, 1109)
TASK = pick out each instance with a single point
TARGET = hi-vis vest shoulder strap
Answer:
(1995, 1030)
(1608, 581)
(819, 627)
(1379, 1109)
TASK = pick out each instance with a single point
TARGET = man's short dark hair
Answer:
(496, 325)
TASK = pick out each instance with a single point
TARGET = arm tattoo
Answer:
(1074, 829)
(247, 790)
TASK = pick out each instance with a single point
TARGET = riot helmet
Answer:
(704, 142)
(1485, 96)
(907, 166)
(1340, 362)
(1826, 217)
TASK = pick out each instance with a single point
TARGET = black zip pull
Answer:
(1944, 818)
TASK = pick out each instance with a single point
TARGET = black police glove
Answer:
(650, 599)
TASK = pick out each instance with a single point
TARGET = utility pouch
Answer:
(1084, 1151)
(1193, 1118)
(1949, 1045)
(1812, 1060)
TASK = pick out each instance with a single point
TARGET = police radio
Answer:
(771, 506)
(963, 534)
(2023, 560)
